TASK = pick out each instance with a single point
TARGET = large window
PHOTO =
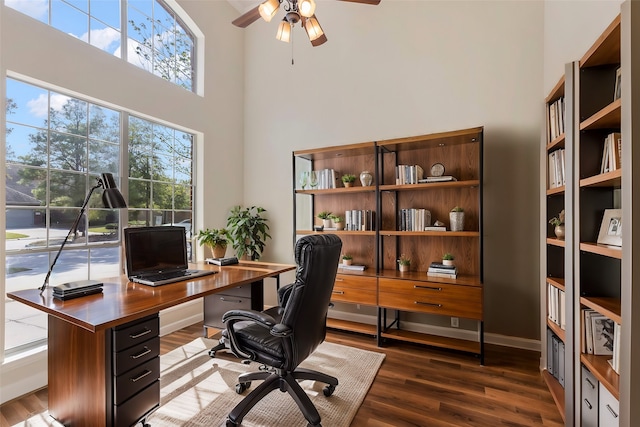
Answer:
(152, 37)
(56, 147)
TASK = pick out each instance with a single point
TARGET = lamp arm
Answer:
(71, 230)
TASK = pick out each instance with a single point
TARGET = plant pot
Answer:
(447, 262)
(347, 184)
(403, 268)
(338, 225)
(326, 223)
(347, 261)
(456, 221)
(559, 231)
(219, 251)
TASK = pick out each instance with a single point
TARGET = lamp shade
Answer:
(284, 31)
(268, 9)
(313, 28)
(111, 196)
(307, 8)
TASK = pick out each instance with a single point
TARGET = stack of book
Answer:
(351, 267)
(437, 269)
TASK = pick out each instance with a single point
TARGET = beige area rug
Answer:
(197, 390)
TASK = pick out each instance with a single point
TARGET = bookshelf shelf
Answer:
(608, 117)
(610, 307)
(555, 242)
(557, 392)
(601, 369)
(556, 190)
(556, 329)
(604, 250)
(558, 282)
(609, 179)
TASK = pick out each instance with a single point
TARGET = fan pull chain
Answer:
(292, 45)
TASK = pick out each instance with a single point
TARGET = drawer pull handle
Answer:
(588, 404)
(338, 292)
(230, 300)
(431, 288)
(142, 353)
(590, 383)
(612, 411)
(141, 376)
(430, 304)
(140, 334)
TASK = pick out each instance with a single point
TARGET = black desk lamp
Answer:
(111, 198)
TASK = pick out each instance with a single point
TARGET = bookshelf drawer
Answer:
(357, 296)
(356, 282)
(436, 298)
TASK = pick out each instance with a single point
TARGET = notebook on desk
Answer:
(158, 255)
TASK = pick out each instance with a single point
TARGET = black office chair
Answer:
(283, 344)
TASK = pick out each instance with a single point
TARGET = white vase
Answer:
(403, 268)
(447, 262)
(326, 223)
(366, 178)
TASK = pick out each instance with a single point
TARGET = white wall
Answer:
(50, 57)
(409, 68)
(570, 29)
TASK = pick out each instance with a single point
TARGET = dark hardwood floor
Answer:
(416, 386)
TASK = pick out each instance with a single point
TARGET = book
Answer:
(435, 228)
(222, 261)
(602, 331)
(443, 178)
(352, 267)
(445, 275)
(441, 270)
(436, 264)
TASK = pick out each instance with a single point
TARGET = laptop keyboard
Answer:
(168, 275)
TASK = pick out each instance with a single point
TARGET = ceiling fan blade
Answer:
(320, 40)
(371, 2)
(248, 18)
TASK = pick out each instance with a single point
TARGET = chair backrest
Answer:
(305, 312)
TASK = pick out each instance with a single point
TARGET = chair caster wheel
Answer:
(212, 353)
(241, 387)
(231, 423)
(328, 390)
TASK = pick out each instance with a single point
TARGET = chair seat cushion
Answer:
(258, 340)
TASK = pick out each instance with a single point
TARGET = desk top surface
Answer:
(122, 301)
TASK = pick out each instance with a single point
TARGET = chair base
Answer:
(285, 382)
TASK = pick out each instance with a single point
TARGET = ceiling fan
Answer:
(302, 11)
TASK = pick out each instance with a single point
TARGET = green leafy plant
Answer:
(404, 260)
(557, 220)
(347, 257)
(457, 209)
(348, 178)
(248, 231)
(213, 237)
(324, 215)
(448, 257)
(335, 218)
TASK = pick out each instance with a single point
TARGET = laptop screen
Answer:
(152, 249)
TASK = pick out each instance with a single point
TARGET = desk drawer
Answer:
(356, 282)
(243, 291)
(356, 296)
(131, 382)
(428, 297)
(140, 405)
(133, 356)
(217, 304)
(135, 333)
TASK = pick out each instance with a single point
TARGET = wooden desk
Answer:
(82, 338)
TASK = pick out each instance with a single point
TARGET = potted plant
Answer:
(447, 259)
(248, 231)
(325, 216)
(558, 224)
(337, 222)
(404, 263)
(456, 219)
(348, 179)
(215, 239)
(347, 259)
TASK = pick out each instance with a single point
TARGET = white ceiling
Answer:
(243, 5)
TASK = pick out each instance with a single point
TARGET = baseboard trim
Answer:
(465, 334)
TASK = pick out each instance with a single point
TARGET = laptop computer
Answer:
(158, 255)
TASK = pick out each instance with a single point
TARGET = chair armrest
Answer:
(256, 316)
(281, 330)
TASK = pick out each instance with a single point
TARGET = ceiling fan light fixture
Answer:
(313, 28)
(284, 31)
(268, 9)
(307, 8)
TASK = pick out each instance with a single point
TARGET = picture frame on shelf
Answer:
(611, 228)
(617, 92)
